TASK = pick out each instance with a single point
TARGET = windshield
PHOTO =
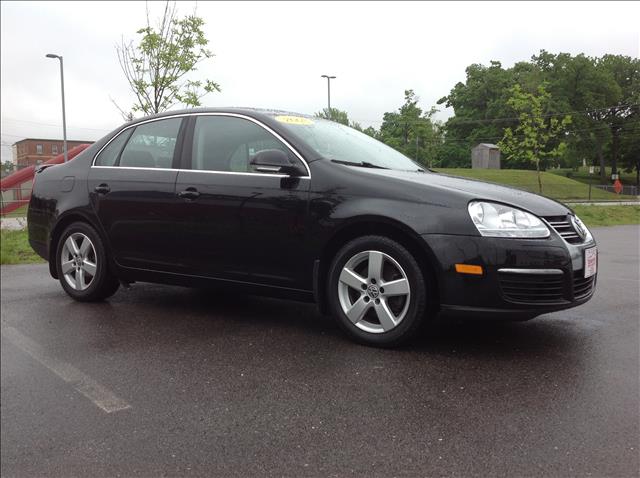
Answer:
(346, 145)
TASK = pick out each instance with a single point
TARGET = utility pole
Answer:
(64, 119)
(329, 78)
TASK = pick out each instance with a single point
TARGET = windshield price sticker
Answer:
(294, 120)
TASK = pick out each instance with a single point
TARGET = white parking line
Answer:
(99, 395)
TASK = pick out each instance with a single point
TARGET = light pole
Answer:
(64, 118)
(329, 78)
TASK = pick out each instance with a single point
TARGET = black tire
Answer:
(101, 285)
(416, 310)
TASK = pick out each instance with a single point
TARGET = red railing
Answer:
(14, 186)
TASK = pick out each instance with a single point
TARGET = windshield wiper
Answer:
(424, 170)
(361, 164)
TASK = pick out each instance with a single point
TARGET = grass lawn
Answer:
(15, 248)
(553, 185)
(582, 175)
(594, 216)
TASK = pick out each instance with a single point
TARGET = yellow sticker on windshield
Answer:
(294, 120)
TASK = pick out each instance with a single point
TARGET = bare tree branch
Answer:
(126, 115)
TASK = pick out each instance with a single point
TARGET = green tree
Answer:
(480, 106)
(452, 154)
(7, 168)
(410, 130)
(334, 114)
(582, 85)
(339, 116)
(158, 66)
(599, 93)
(537, 136)
(371, 131)
(574, 85)
(630, 156)
(624, 111)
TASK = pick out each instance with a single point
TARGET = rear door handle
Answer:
(102, 188)
(189, 193)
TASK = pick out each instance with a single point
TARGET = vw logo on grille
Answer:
(579, 228)
(373, 291)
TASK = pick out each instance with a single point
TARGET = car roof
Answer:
(253, 112)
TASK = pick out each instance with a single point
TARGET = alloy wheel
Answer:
(79, 261)
(374, 291)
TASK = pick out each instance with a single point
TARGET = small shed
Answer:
(485, 156)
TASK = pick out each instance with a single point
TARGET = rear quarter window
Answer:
(152, 145)
(109, 155)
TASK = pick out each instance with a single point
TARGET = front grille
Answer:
(563, 226)
(582, 287)
(532, 288)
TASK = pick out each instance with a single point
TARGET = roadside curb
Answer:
(13, 223)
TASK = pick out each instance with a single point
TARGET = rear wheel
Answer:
(82, 264)
(377, 291)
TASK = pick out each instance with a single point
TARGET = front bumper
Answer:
(521, 279)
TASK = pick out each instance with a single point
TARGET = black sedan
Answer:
(289, 205)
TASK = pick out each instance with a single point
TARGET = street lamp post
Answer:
(64, 118)
(329, 78)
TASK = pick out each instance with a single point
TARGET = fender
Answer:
(81, 214)
(370, 224)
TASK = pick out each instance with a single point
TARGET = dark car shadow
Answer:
(215, 311)
(494, 338)
(195, 313)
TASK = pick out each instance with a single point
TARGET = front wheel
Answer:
(377, 291)
(82, 264)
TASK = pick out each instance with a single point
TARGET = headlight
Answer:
(498, 220)
(581, 229)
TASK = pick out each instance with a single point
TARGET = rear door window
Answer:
(152, 145)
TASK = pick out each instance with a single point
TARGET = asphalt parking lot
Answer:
(165, 381)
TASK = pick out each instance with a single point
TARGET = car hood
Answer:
(469, 189)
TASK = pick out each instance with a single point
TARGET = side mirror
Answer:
(274, 161)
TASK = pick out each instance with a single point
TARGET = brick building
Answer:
(33, 151)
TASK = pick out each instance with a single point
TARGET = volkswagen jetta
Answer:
(294, 206)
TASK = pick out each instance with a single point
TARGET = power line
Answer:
(633, 128)
(492, 120)
(4, 119)
(624, 133)
(549, 115)
(458, 122)
(27, 136)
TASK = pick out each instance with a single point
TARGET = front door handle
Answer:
(102, 188)
(190, 194)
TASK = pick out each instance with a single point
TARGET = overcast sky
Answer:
(272, 54)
